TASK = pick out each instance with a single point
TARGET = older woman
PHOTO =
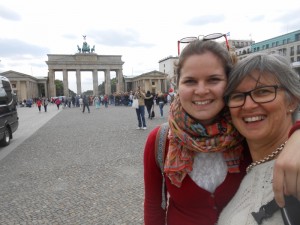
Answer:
(263, 96)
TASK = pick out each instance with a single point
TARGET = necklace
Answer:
(267, 158)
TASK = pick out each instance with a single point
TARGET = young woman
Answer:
(205, 157)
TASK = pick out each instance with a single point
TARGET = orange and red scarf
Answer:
(187, 137)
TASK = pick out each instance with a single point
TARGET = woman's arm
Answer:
(286, 178)
(153, 212)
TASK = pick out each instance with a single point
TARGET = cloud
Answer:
(206, 19)
(70, 36)
(17, 48)
(257, 18)
(118, 38)
(290, 20)
(8, 14)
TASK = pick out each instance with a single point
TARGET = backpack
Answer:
(160, 146)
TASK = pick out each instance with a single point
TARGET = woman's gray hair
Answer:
(273, 64)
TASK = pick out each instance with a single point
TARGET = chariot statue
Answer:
(85, 47)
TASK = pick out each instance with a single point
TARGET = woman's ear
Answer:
(293, 105)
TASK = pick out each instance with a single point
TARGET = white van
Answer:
(9, 120)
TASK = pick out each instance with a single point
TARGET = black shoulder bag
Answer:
(290, 213)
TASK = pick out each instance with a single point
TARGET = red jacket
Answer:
(189, 204)
(39, 102)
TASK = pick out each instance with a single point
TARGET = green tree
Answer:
(59, 87)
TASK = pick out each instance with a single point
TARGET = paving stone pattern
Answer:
(77, 169)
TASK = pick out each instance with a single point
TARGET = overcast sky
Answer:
(143, 32)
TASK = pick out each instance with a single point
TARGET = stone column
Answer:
(107, 82)
(95, 83)
(65, 82)
(159, 85)
(19, 93)
(120, 85)
(165, 86)
(27, 90)
(46, 90)
(52, 88)
(78, 82)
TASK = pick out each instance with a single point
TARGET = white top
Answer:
(254, 191)
(209, 170)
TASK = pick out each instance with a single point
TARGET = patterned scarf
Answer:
(187, 137)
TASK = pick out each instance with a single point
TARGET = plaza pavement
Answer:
(64, 167)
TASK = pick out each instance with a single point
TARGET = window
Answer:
(298, 58)
(298, 49)
(273, 44)
(267, 46)
(292, 52)
(288, 40)
(277, 43)
(284, 41)
(5, 92)
(284, 51)
(13, 85)
(153, 83)
(292, 59)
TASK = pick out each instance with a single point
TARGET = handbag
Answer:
(290, 213)
(135, 103)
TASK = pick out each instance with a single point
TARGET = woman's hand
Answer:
(286, 177)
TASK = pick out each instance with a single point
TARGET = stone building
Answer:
(26, 86)
(153, 81)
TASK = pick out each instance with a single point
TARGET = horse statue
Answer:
(93, 49)
(79, 49)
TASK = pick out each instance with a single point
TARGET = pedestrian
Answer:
(105, 100)
(80, 102)
(39, 104)
(57, 102)
(140, 111)
(205, 156)
(85, 102)
(161, 103)
(149, 103)
(45, 103)
(97, 102)
(263, 96)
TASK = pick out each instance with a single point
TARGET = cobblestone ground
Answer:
(77, 169)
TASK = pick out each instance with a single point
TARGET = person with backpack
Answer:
(85, 102)
(194, 164)
(149, 102)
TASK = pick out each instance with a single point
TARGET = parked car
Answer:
(29, 103)
(9, 120)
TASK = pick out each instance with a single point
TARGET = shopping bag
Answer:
(135, 103)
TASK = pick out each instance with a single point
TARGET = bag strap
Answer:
(160, 146)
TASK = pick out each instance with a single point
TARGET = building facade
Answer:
(153, 81)
(26, 86)
(287, 45)
(168, 66)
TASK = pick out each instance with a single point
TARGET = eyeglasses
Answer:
(262, 94)
(213, 36)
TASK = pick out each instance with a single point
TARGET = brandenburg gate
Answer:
(85, 60)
